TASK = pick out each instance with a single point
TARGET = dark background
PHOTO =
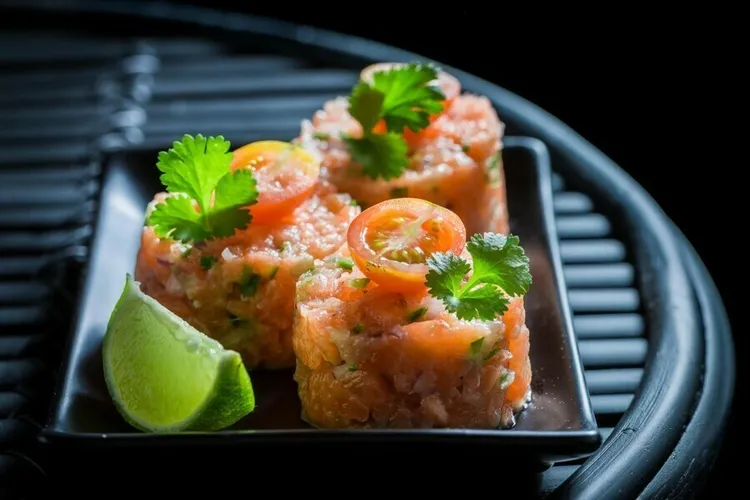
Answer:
(654, 91)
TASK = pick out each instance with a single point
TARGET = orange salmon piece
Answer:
(375, 358)
(240, 290)
(455, 162)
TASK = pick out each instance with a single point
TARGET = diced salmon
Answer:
(240, 290)
(456, 162)
(371, 358)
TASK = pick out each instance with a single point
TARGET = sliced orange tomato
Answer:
(285, 175)
(391, 241)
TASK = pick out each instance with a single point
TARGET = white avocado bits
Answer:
(166, 376)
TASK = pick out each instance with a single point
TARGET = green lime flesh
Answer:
(164, 375)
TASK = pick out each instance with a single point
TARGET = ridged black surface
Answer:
(48, 186)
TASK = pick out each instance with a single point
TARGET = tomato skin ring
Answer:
(394, 275)
(273, 206)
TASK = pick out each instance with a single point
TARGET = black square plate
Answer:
(559, 424)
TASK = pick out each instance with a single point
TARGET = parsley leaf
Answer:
(402, 98)
(208, 201)
(381, 155)
(500, 269)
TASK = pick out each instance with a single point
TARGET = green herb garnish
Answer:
(274, 270)
(346, 264)
(506, 379)
(402, 98)
(399, 192)
(359, 283)
(249, 282)
(209, 201)
(208, 261)
(500, 269)
(475, 348)
(416, 314)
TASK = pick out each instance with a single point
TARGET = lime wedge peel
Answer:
(164, 375)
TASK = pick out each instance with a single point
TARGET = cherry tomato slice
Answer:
(285, 175)
(449, 84)
(391, 241)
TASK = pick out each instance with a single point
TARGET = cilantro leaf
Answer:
(190, 166)
(445, 278)
(208, 201)
(177, 218)
(500, 260)
(381, 155)
(365, 105)
(402, 98)
(500, 269)
(408, 99)
(227, 215)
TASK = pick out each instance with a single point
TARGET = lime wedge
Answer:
(166, 376)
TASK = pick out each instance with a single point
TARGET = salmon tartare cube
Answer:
(375, 350)
(454, 161)
(239, 289)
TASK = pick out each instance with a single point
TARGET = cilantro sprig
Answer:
(208, 200)
(403, 98)
(501, 270)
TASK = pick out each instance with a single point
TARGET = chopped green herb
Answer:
(208, 261)
(345, 264)
(475, 348)
(500, 268)
(354, 203)
(358, 328)
(274, 270)
(236, 320)
(416, 314)
(208, 199)
(359, 282)
(493, 162)
(187, 253)
(286, 246)
(506, 379)
(321, 136)
(492, 353)
(399, 192)
(352, 367)
(249, 282)
(465, 148)
(492, 173)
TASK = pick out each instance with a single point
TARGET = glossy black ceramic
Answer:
(558, 424)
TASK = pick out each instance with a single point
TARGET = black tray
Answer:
(559, 423)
